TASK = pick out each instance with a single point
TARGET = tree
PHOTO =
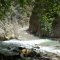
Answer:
(6, 4)
(4, 7)
(44, 14)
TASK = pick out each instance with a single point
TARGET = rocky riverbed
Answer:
(29, 47)
(40, 49)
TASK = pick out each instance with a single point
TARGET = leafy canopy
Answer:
(6, 4)
(48, 10)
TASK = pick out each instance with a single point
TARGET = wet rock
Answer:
(24, 49)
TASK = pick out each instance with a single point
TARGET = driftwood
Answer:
(32, 48)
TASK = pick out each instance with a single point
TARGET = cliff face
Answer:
(17, 15)
(14, 21)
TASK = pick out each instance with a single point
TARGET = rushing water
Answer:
(29, 41)
(46, 45)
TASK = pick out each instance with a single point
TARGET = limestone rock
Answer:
(2, 34)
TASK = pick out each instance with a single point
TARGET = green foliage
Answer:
(46, 23)
(6, 4)
(48, 12)
(4, 7)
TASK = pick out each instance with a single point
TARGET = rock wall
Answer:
(14, 21)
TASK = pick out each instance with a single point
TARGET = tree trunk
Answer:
(56, 27)
(34, 26)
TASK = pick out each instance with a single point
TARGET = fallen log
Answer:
(30, 48)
